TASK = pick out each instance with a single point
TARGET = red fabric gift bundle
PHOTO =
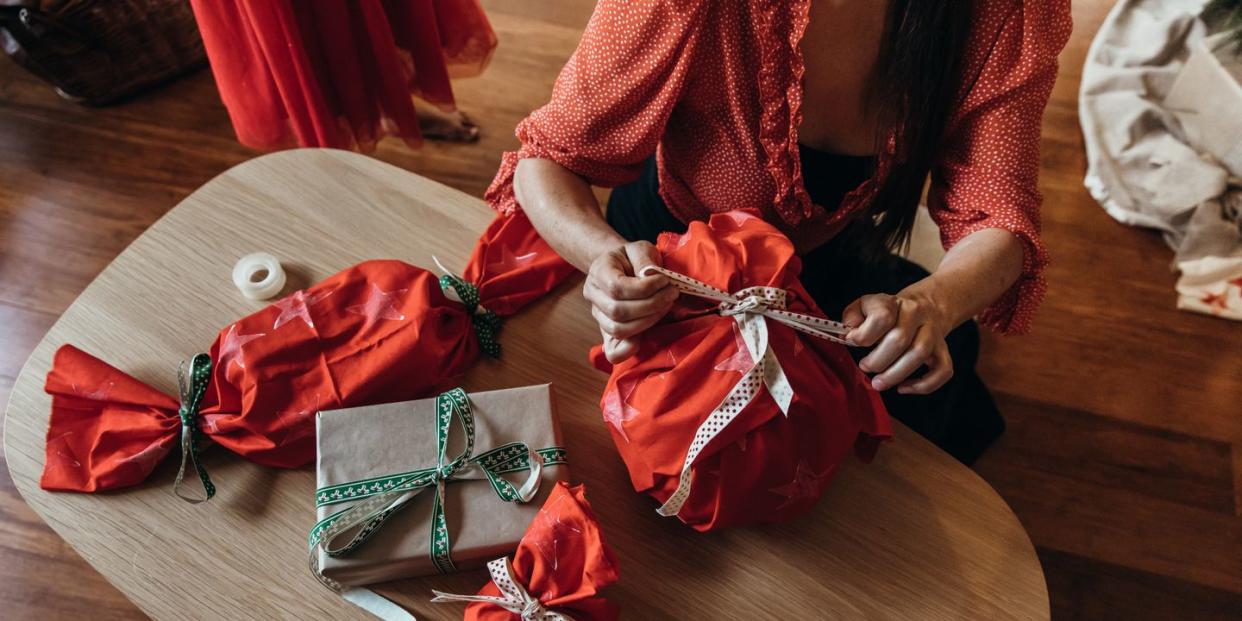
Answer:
(559, 568)
(377, 332)
(738, 406)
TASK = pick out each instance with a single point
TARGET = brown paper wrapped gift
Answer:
(368, 455)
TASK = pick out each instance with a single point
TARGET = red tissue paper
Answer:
(697, 414)
(561, 564)
(377, 332)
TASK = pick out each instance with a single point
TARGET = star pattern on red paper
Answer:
(558, 534)
(297, 306)
(617, 410)
(805, 484)
(99, 394)
(147, 458)
(297, 423)
(740, 361)
(63, 452)
(672, 363)
(380, 304)
(1216, 302)
(509, 262)
(231, 347)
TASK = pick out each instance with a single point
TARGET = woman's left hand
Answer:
(908, 331)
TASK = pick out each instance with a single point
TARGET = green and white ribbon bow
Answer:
(514, 597)
(486, 323)
(750, 308)
(378, 498)
(192, 390)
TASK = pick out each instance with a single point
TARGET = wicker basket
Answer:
(98, 51)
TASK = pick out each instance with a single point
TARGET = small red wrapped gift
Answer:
(556, 574)
(377, 332)
(741, 402)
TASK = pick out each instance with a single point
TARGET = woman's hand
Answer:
(623, 302)
(908, 331)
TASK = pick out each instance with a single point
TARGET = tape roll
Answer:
(259, 276)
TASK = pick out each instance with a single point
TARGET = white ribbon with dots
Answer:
(750, 308)
(513, 598)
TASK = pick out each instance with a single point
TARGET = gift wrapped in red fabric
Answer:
(557, 572)
(737, 408)
(377, 332)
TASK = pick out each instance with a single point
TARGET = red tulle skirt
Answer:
(338, 73)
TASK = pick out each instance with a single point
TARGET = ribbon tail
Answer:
(376, 604)
(777, 382)
(531, 487)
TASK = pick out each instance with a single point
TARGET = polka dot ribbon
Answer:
(514, 596)
(192, 389)
(750, 308)
(486, 323)
(377, 499)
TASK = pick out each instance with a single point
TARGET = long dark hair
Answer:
(913, 90)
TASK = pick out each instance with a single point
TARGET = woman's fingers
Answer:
(629, 310)
(920, 349)
(879, 313)
(899, 333)
(622, 329)
(618, 350)
(940, 371)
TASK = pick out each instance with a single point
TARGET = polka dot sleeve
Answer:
(988, 176)
(612, 100)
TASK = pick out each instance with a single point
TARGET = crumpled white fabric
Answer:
(1140, 165)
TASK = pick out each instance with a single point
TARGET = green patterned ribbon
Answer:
(378, 498)
(486, 323)
(192, 392)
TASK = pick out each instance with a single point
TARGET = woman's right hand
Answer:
(623, 302)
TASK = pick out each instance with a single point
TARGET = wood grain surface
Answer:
(1122, 459)
(914, 535)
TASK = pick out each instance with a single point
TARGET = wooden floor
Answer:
(1124, 453)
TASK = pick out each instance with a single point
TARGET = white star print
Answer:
(379, 305)
(672, 362)
(64, 452)
(298, 424)
(231, 347)
(148, 457)
(558, 531)
(805, 484)
(99, 394)
(509, 262)
(297, 306)
(616, 408)
(740, 361)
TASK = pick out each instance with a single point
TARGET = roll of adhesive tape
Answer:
(259, 276)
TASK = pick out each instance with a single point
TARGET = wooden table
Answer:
(914, 535)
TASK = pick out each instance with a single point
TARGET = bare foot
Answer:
(437, 124)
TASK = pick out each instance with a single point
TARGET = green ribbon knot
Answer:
(378, 498)
(486, 323)
(192, 391)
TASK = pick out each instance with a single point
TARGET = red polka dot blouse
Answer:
(713, 88)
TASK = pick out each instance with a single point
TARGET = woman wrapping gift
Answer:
(828, 117)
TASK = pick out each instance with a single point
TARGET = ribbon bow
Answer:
(381, 497)
(192, 393)
(486, 323)
(514, 597)
(750, 308)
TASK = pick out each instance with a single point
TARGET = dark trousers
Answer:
(961, 417)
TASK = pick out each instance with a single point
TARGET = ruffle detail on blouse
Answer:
(781, 99)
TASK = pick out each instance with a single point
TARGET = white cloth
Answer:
(1140, 166)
